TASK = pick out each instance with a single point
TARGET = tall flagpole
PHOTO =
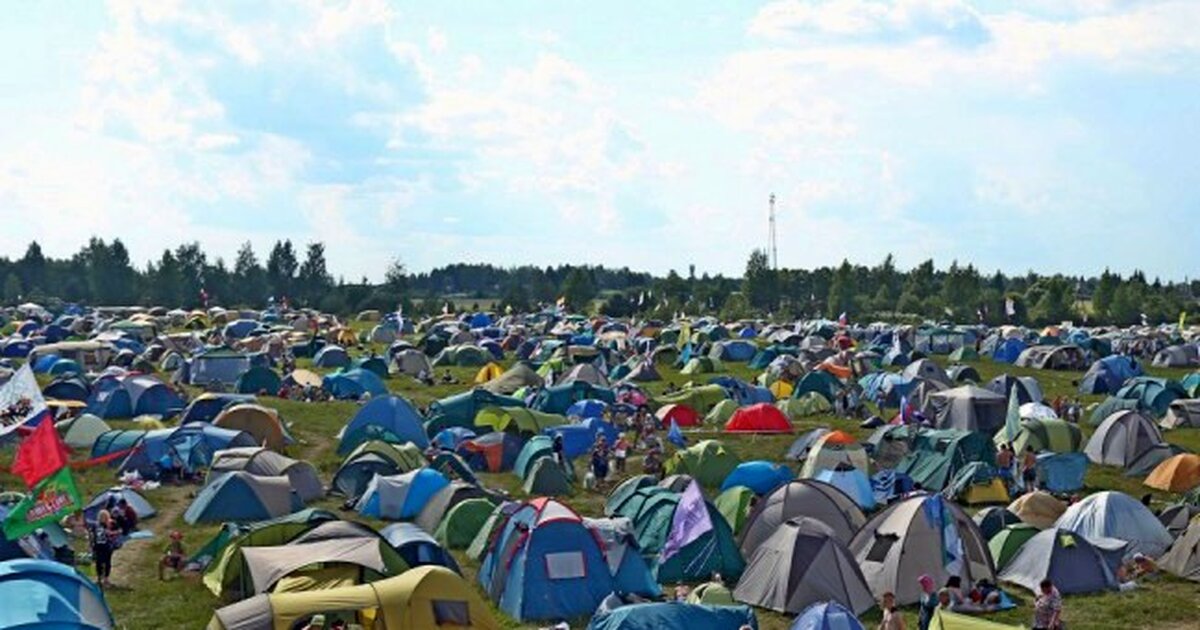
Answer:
(771, 236)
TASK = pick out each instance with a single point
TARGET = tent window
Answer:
(451, 613)
(883, 544)
(567, 565)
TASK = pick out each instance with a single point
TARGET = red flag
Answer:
(40, 455)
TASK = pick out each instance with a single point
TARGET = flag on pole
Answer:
(40, 454)
(1012, 419)
(1010, 307)
(1182, 319)
(690, 522)
(52, 498)
(21, 401)
(675, 436)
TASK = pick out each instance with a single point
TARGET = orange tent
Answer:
(1176, 474)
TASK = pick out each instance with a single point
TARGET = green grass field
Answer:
(139, 600)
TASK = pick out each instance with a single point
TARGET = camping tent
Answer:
(969, 408)
(240, 496)
(1182, 559)
(46, 594)
(1180, 473)
(417, 547)
(657, 520)
(1058, 436)
(1111, 514)
(547, 478)
(801, 564)
(1182, 413)
(760, 476)
(707, 460)
(263, 423)
(545, 563)
(400, 496)
(758, 418)
(81, 432)
(1008, 541)
(373, 458)
(1038, 508)
(424, 597)
(801, 498)
(905, 540)
(388, 418)
(834, 449)
(1076, 563)
(462, 522)
(261, 462)
(354, 384)
(657, 615)
(1122, 439)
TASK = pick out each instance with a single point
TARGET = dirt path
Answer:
(139, 558)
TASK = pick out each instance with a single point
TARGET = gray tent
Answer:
(586, 373)
(81, 432)
(1112, 514)
(1074, 562)
(903, 542)
(969, 408)
(441, 503)
(801, 497)
(1122, 438)
(1182, 413)
(547, 478)
(927, 370)
(1177, 516)
(262, 462)
(803, 563)
(412, 362)
(521, 374)
(1177, 357)
(643, 372)
(267, 565)
(1183, 557)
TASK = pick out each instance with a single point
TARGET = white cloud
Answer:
(437, 40)
(948, 19)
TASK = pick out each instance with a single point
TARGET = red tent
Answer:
(760, 418)
(683, 415)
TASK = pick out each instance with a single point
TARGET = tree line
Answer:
(102, 273)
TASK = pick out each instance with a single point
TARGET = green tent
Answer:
(517, 419)
(495, 520)
(965, 353)
(547, 478)
(721, 413)
(702, 365)
(938, 455)
(819, 381)
(1005, 544)
(810, 404)
(715, 551)
(462, 522)
(734, 504)
(708, 461)
(626, 490)
(537, 447)
(632, 504)
(702, 398)
(1049, 434)
(711, 594)
(1112, 405)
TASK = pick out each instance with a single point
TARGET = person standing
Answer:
(1047, 608)
(928, 602)
(103, 536)
(892, 618)
(1029, 469)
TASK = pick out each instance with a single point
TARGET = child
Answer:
(173, 556)
(621, 452)
(892, 618)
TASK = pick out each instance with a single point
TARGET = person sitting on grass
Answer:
(173, 556)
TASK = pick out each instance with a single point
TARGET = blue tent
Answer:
(853, 482)
(400, 496)
(1155, 394)
(742, 392)
(760, 476)
(217, 365)
(132, 395)
(545, 563)
(352, 384)
(579, 438)
(45, 594)
(417, 547)
(374, 364)
(206, 407)
(191, 446)
(43, 363)
(827, 616)
(241, 497)
(331, 357)
(67, 388)
(240, 328)
(16, 349)
(738, 350)
(140, 505)
(390, 418)
(1107, 375)
(450, 438)
(1008, 350)
(65, 366)
(1061, 473)
(659, 615)
(589, 408)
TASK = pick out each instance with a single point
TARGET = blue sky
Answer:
(1057, 136)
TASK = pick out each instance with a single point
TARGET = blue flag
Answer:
(675, 436)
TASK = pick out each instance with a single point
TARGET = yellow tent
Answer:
(261, 422)
(990, 492)
(420, 598)
(1038, 508)
(946, 620)
(781, 389)
(1179, 473)
(487, 373)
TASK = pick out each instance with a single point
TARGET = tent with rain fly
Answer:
(1123, 439)
(801, 564)
(240, 496)
(400, 496)
(1074, 562)
(708, 461)
(417, 547)
(801, 498)
(492, 452)
(833, 449)
(262, 462)
(373, 458)
(388, 418)
(354, 384)
(758, 418)
(969, 408)
(916, 536)
(263, 423)
(1111, 514)
(735, 504)
(712, 551)
(47, 594)
(1038, 508)
(760, 476)
(460, 409)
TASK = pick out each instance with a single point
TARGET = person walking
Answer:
(103, 536)
(1047, 608)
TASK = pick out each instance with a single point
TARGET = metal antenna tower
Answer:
(771, 236)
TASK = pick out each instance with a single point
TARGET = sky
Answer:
(1054, 136)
